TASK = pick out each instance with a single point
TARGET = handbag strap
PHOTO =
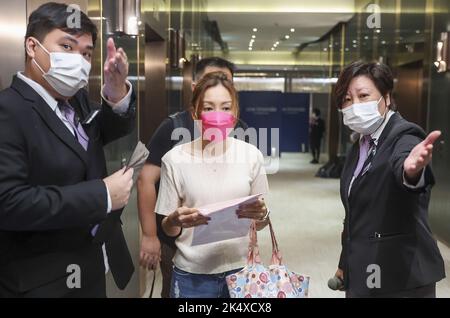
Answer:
(153, 284)
(253, 248)
(276, 254)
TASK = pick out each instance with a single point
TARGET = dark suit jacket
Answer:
(52, 193)
(386, 223)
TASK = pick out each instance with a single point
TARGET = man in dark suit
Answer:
(59, 213)
(388, 249)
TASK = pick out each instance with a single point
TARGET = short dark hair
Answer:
(51, 16)
(380, 74)
(316, 111)
(213, 62)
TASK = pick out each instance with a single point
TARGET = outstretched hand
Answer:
(420, 157)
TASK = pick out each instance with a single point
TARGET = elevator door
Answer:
(408, 93)
(439, 118)
(12, 31)
(154, 110)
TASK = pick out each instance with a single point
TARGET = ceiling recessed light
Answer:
(250, 48)
(287, 37)
(354, 41)
(255, 30)
(292, 30)
(366, 37)
(325, 49)
(253, 36)
(378, 30)
(417, 31)
(273, 49)
(355, 46)
(383, 42)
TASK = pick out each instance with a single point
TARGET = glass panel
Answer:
(104, 13)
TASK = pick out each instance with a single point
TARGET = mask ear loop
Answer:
(34, 60)
(385, 113)
(388, 107)
(39, 67)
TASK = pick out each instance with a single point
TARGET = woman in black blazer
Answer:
(388, 249)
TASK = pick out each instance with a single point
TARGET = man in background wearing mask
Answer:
(59, 221)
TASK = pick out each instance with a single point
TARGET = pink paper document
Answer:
(224, 223)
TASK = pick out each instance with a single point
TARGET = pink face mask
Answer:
(216, 124)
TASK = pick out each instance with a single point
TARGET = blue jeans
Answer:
(188, 285)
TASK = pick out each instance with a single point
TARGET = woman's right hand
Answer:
(187, 218)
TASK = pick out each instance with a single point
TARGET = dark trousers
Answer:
(167, 254)
(315, 146)
(428, 291)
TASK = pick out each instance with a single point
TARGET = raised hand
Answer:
(115, 72)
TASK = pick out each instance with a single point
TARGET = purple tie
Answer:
(69, 113)
(363, 154)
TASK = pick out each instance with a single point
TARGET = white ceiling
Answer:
(311, 19)
(237, 28)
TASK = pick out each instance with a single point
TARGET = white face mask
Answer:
(68, 72)
(364, 118)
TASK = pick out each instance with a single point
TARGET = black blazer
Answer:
(386, 223)
(52, 193)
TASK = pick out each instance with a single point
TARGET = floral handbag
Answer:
(259, 281)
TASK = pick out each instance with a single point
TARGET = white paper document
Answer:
(137, 160)
(224, 223)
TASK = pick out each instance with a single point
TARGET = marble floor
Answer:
(307, 216)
